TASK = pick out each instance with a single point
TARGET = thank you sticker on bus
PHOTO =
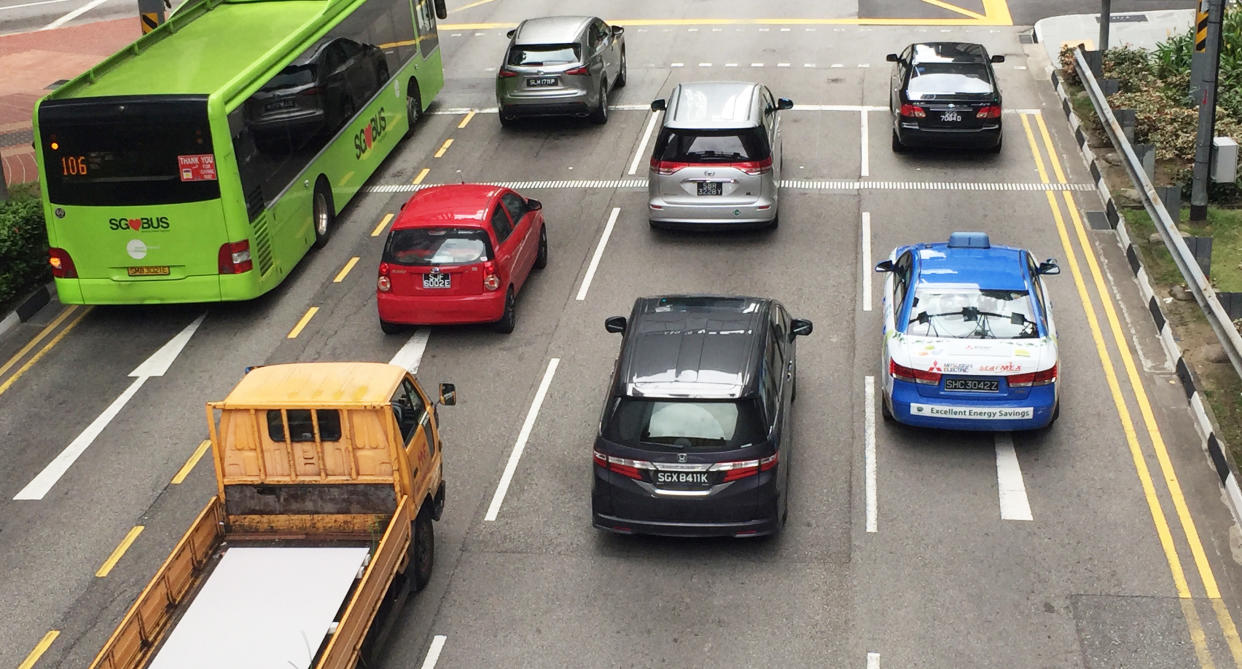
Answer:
(197, 167)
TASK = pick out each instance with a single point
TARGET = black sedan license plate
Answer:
(684, 479)
(951, 117)
(540, 82)
(973, 385)
(437, 281)
(709, 188)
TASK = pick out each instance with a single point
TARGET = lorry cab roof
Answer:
(319, 384)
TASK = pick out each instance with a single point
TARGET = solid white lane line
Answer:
(1013, 501)
(433, 653)
(866, 261)
(873, 661)
(159, 362)
(869, 451)
(411, 353)
(520, 444)
(599, 253)
(866, 161)
(47, 478)
(74, 14)
(32, 4)
(642, 145)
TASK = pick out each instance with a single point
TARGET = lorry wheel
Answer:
(423, 554)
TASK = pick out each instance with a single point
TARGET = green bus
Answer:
(201, 162)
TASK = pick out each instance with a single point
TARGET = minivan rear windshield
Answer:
(551, 54)
(437, 246)
(711, 146)
(685, 424)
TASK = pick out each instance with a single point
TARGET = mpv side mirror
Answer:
(510, 33)
(448, 394)
(615, 324)
(884, 266)
(998, 59)
(1049, 267)
(784, 103)
(801, 327)
(533, 205)
(618, 31)
(657, 105)
(892, 58)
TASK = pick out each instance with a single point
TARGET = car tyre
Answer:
(886, 412)
(541, 257)
(390, 328)
(620, 83)
(996, 148)
(508, 319)
(507, 121)
(323, 213)
(599, 116)
(776, 221)
(422, 550)
(898, 147)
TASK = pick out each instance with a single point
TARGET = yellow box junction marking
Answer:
(106, 567)
(954, 8)
(39, 649)
(189, 464)
(297, 329)
(379, 229)
(444, 147)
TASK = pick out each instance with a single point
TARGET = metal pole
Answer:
(151, 14)
(4, 186)
(1199, 55)
(1207, 112)
(1106, 15)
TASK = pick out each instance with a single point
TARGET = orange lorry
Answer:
(328, 478)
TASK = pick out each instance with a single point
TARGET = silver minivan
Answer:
(717, 159)
(560, 66)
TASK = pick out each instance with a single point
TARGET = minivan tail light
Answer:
(913, 111)
(903, 373)
(623, 466)
(383, 283)
(666, 167)
(754, 167)
(990, 111)
(62, 264)
(491, 280)
(580, 71)
(738, 469)
(1046, 377)
(234, 257)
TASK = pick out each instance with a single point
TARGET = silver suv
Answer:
(560, 66)
(717, 160)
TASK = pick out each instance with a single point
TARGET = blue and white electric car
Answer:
(969, 341)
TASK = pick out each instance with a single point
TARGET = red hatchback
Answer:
(459, 254)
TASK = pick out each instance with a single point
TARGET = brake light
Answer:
(991, 111)
(622, 466)
(914, 111)
(491, 280)
(580, 71)
(383, 283)
(903, 373)
(738, 469)
(666, 167)
(62, 264)
(753, 167)
(234, 257)
(1029, 379)
(505, 74)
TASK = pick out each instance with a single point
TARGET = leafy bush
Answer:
(23, 246)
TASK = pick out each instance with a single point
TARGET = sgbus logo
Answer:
(136, 224)
(370, 133)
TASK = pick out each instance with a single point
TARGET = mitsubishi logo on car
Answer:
(681, 457)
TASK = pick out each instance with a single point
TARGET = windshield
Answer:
(437, 246)
(291, 77)
(698, 146)
(971, 313)
(949, 78)
(553, 54)
(127, 151)
(686, 424)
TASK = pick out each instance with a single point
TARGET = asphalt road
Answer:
(1126, 560)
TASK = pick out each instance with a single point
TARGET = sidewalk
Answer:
(36, 60)
(1142, 30)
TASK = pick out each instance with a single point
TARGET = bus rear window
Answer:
(128, 150)
(437, 246)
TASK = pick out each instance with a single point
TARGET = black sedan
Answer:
(945, 94)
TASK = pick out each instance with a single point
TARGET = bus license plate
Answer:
(436, 281)
(540, 82)
(150, 270)
(709, 188)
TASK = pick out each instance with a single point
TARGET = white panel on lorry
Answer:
(263, 608)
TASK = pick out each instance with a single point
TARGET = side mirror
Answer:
(533, 205)
(784, 103)
(1049, 267)
(800, 328)
(448, 394)
(615, 324)
(998, 59)
(657, 105)
(441, 10)
(884, 266)
(892, 58)
(618, 31)
(510, 33)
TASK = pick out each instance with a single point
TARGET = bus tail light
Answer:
(383, 283)
(913, 111)
(903, 373)
(62, 264)
(491, 280)
(234, 257)
(1046, 377)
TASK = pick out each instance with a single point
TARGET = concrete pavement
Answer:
(1141, 30)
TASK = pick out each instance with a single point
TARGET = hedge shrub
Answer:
(23, 247)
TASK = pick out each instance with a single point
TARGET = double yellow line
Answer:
(68, 311)
(1197, 635)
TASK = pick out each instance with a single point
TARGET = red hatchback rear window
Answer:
(437, 246)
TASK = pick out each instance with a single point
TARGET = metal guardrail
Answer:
(1198, 283)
